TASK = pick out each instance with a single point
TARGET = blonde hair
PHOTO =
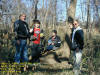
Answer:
(22, 14)
(76, 20)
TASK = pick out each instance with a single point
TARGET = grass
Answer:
(7, 54)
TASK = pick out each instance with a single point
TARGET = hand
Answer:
(18, 42)
(31, 30)
(48, 43)
(52, 43)
(34, 38)
(77, 49)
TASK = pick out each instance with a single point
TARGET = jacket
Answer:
(78, 39)
(22, 30)
(56, 41)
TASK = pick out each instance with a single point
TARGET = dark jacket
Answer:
(56, 41)
(79, 39)
(22, 30)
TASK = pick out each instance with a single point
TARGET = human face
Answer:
(23, 17)
(53, 34)
(75, 24)
(37, 25)
(70, 25)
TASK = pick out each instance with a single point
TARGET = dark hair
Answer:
(36, 22)
(70, 19)
(54, 31)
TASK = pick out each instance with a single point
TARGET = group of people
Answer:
(23, 33)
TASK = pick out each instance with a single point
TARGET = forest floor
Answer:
(7, 54)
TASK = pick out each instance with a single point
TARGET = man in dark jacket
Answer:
(22, 33)
(54, 41)
(77, 45)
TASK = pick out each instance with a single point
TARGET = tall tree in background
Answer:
(72, 10)
(36, 2)
(55, 15)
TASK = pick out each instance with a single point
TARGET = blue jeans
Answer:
(49, 47)
(21, 52)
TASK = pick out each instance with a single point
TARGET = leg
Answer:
(50, 47)
(77, 61)
(55, 48)
(24, 51)
(18, 53)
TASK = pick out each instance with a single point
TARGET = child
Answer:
(36, 40)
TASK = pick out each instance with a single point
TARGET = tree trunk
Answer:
(36, 2)
(54, 18)
(72, 10)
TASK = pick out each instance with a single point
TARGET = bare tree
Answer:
(72, 10)
(36, 2)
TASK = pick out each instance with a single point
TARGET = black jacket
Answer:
(22, 30)
(79, 39)
(56, 41)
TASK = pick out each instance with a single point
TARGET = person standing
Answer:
(77, 45)
(22, 34)
(35, 31)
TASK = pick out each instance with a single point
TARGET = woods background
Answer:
(54, 14)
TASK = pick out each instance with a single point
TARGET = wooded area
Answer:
(54, 14)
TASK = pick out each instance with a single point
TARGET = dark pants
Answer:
(21, 52)
(36, 52)
(51, 47)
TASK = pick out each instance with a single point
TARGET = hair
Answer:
(22, 14)
(36, 22)
(76, 20)
(54, 31)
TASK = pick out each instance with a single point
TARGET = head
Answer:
(22, 17)
(36, 23)
(70, 25)
(54, 32)
(76, 24)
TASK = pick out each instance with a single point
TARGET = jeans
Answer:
(21, 52)
(36, 52)
(49, 47)
(77, 61)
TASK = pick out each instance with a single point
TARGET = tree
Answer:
(72, 10)
(36, 2)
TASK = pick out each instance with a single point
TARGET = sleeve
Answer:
(80, 39)
(58, 42)
(16, 25)
(23, 30)
(26, 30)
(31, 33)
(49, 40)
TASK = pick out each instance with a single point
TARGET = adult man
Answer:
(77, 45)
(22, 33)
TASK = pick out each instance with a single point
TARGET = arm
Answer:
(24, 30)
(80, 39)
(58, 42)
(49, 41)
